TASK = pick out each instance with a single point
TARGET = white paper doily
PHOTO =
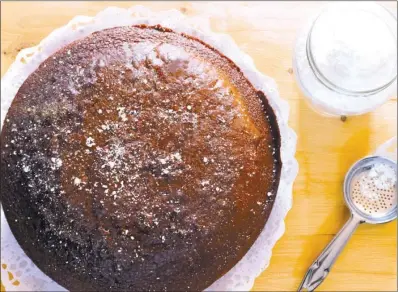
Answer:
(242, 276)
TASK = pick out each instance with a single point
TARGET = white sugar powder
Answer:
(77, 181)
(90, 142)
(380, 177)
(384, 176)
(351, 49)
(354, 54)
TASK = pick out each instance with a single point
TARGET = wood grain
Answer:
(326, 146)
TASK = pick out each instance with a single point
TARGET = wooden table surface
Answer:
(325, 150)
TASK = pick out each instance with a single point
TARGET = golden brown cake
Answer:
(138, 158)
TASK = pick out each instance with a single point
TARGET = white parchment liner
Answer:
(242, 276)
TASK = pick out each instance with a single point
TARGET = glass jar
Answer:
(345, 59)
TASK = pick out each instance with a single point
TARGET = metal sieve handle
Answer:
(322, 265)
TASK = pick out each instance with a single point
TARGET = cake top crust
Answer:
(138, 158)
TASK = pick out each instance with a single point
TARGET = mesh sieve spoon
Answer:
(370, 192)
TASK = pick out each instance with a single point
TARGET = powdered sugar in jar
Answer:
(345, 59)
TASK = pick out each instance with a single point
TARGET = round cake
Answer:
(138, 158)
